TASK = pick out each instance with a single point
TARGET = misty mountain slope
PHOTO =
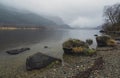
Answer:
(57, 20)
(16, 17)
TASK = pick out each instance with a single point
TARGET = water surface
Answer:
(36, 40)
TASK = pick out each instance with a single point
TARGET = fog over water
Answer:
(77, 13)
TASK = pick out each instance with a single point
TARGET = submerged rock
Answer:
(95, 35)
(105, 40)
(101, 31)
(45, 46)
(39, 60)
(75, 46)
(17, 51)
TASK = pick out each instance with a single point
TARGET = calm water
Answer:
(36, 40)
(11, 39)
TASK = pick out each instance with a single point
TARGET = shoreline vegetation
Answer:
(111, 24)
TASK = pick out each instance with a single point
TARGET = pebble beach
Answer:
(71, 66)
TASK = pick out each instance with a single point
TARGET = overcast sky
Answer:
(77, 13)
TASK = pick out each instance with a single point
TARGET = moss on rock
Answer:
(74, 43)
(111, 42)
(105, 40)
(76, 46)
(90, 51)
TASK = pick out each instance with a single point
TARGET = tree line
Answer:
(112, 17)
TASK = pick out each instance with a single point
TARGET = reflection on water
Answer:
(36, 40)
(22, 37)
(83, 35)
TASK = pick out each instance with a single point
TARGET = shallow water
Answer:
(36, 40)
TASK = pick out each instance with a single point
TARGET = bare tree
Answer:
(112, 13)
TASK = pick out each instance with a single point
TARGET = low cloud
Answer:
(77, 13)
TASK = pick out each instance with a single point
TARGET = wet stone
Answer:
(39, 60)
(17, 51)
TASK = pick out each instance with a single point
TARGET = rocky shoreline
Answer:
(75, 65)
(72, 66)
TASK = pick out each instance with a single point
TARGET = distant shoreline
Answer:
(19, 28)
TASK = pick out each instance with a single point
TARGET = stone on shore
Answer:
(45, 46)
(39, 60)
(17, 51)
(101, 31)
(105, 40)
(76, 46)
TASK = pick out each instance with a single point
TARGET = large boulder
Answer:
(74, 43)
(105, 40)
(76, 46)
(17, 51)
(39, 60)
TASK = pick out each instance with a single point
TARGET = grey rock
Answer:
(17, 51)
(39, 60)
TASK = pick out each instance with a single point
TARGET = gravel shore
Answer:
(73, 65)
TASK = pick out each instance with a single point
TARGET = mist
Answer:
(76, 13)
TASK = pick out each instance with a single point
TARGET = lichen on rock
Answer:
(76, 46)
(105, 40)
(74, 43)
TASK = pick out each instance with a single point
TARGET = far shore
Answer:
(19, 28)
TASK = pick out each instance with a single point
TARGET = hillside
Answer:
(57, 20)
(12, 16)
